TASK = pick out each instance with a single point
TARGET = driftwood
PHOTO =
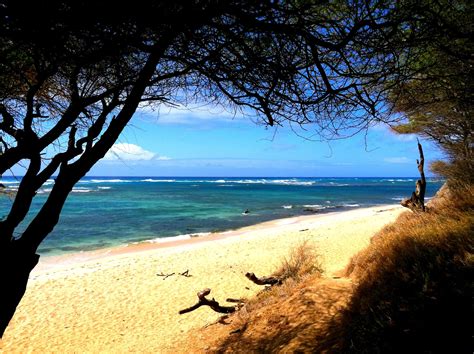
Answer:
(184, 274)
(213, 304)
(417, 200)
(165, 275)
(263, 280)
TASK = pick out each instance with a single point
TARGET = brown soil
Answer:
(291, 322)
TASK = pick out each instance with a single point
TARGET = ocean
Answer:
(110, 211)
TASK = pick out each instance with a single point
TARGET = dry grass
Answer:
(410, 291)
(261, 325)
(302, 261)
(413, 293)
(415, 286)
(302, 264)
(289, 323)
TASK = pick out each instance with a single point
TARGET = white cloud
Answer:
(131, 152)
(384, 128)
(400, 160)
(190, 115)
(406, 137)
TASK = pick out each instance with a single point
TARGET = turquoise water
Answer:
(109, 211)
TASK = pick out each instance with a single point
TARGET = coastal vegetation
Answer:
(436, 103)
(414, 288)
(71, 83)
(409, 291)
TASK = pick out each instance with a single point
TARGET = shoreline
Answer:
(172, 241)
(48, 262)
(115, 300)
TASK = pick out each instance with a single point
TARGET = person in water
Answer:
(246, 211)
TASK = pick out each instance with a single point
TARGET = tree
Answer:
(417, 200)
(73, 75)
(437, 101)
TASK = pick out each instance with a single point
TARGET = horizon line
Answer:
(197, 176)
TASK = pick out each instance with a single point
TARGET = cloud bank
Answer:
(131, 152)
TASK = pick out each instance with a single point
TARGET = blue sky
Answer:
(204, 143)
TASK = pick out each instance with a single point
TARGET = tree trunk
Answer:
(15, 267)
(417, 200)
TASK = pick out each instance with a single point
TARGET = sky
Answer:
(208, 142)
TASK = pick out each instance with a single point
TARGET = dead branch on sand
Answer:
(165, 275)
(184, 274)
(213, 304)
(263, 280)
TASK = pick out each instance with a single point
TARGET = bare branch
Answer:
(263, 280)
(213, 304)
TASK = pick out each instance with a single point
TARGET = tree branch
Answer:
(26, 192)
(213, 304)
(263, 280)
(48, 216)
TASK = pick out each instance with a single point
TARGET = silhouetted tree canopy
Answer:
(437, 99)
(73, 73)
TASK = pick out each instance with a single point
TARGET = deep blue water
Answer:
(109, 211)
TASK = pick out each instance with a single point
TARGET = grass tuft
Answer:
(302, 261)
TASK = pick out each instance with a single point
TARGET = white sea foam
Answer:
(287, 206)
(292, 182)
(74, 190)
(107, 181)
(81, 190)
(157, 180)
(252, 181)
(351, 205)
(317, 206)
(397, 198)
(101, 187)
(177, 238)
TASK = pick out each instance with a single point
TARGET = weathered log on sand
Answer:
(263, 280)
(213, 304)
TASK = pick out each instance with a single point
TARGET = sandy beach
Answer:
(114, 300)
